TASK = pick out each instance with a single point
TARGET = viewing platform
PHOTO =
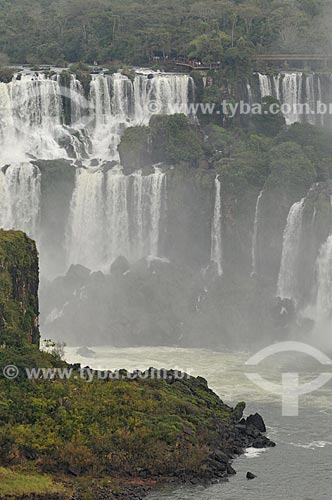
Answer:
(291, 57)
(295, 61)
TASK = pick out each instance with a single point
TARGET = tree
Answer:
(209, 47)
(270, 121)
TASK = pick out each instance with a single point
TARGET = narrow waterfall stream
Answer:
(324, 279)
(254, 248)
(287, 281)
(216, 235)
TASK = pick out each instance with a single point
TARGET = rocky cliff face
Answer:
(19, 280)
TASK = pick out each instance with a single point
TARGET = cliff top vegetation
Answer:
(136, 31)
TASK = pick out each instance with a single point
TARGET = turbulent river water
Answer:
(298, 468)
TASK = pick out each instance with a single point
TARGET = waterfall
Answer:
(20, 198)
(292, 96)
(287, 88)
(78, 103)
(276, 81)
(110, 213)
(33, 119)
(254, 248)
(320, 99)
(310, 98)
(156, 202)
(117, 216)
(5, 204)
(114, 214)
(264, 85)
(324, 275)
(299, 93)
(85, 233)
(249, 93)
(103, 141)
(30, 119)
(147, 196)
(287, 280)
(162, 94)
(216, 237)
(7, 127)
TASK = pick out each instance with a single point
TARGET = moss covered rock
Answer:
(6, 75)
(134, 147)
(19, 280)
(171, 139)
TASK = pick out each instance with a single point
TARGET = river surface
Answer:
(299, 468)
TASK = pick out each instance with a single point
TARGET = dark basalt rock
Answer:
(263, 442)
(220, 456)
(94, 162)
(250, 475)
(230, 470)
(257, 421)
(120, 266)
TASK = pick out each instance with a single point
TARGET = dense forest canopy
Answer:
(134, 31)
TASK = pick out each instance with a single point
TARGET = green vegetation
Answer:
(6, 75)
(17, 482)
(134, 147)
(174, 139)
(264, 151)
(101, 427)
(291, 170)
(18, 289)
(171, 139)
(268, 123)
(115, 425)
(135, 31)
(120, 426)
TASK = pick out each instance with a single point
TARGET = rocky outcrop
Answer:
(19, 280)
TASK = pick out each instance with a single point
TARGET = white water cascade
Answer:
(216, 234)
(85, 238)
(30, 119)
(324, 277)
(112, 215)
(254, 248)
(118, 102)
(287, 280)
(20, 198)
(299, 94)
(147, 195)
(310, 97)
(34, 115)
(163, 94)
(117, 215)
(292, 96)
(56, 117)
(264, 85)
